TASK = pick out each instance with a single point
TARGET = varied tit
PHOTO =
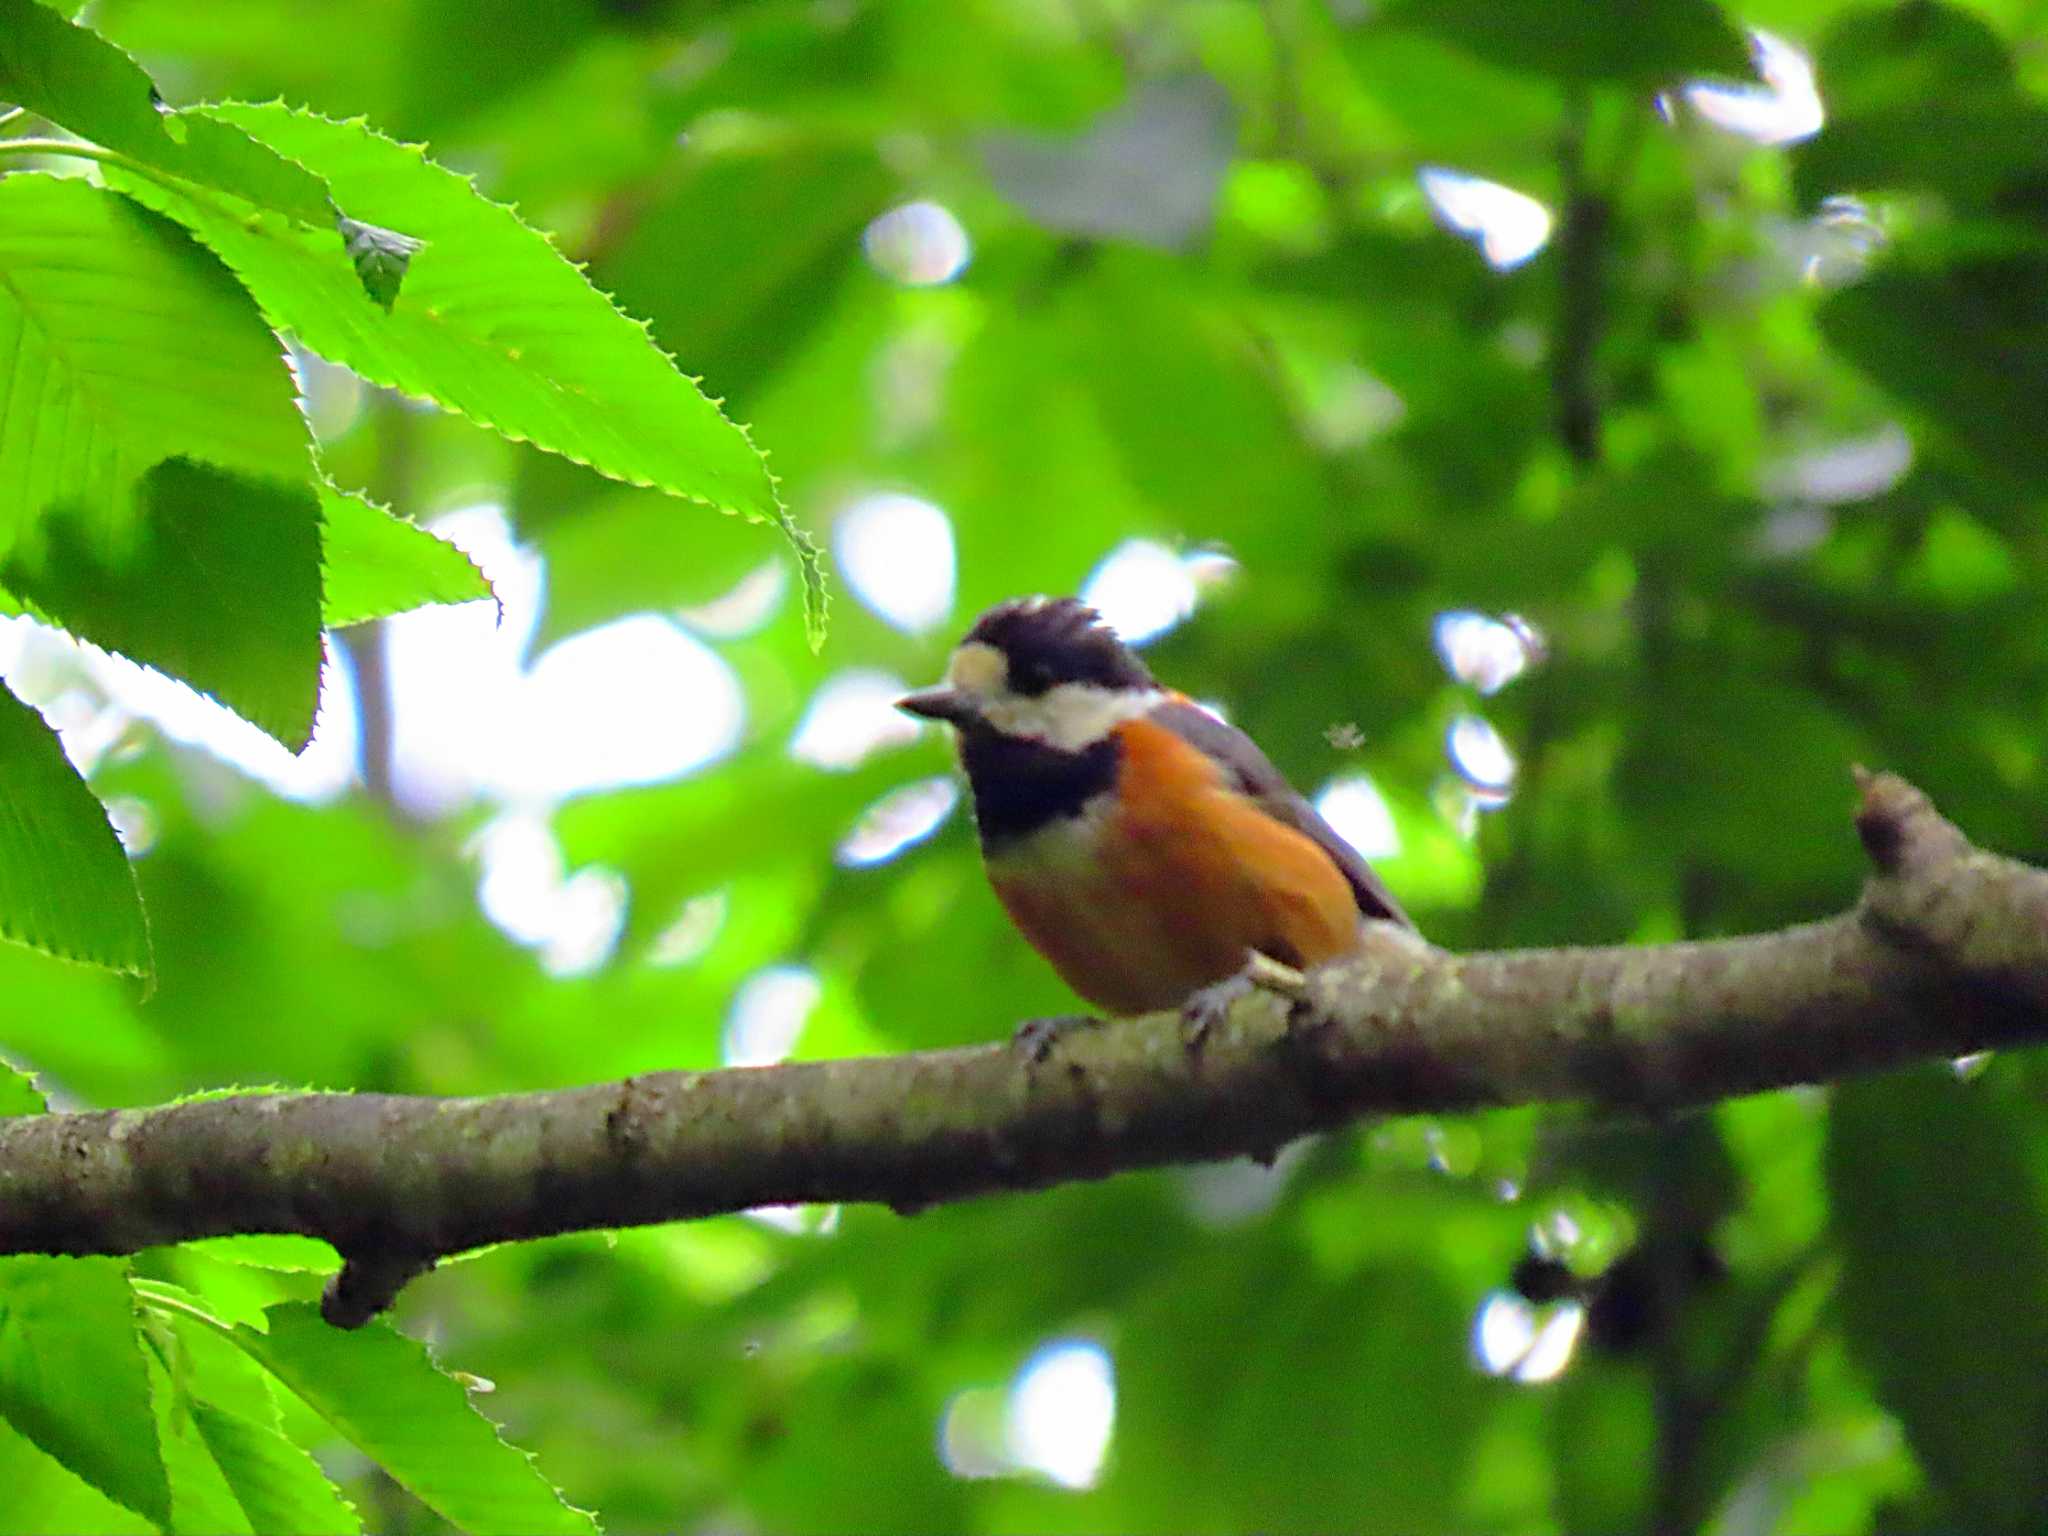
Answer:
(1144, 847)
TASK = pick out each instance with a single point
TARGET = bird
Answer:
(1146, 848)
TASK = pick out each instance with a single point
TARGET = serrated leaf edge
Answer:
(810, 559)
(174, 1301)
(399, 517)
(147, 971)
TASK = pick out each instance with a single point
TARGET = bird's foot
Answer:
(1035, 1038)
(1201, 1013)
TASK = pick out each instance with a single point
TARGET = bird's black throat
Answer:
(1022, 786)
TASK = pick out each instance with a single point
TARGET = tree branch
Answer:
(1946, 953)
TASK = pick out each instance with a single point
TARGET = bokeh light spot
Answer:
(1508, 226)
(853, 716)
(573, 920)
(896, 552)
(1224, 1195)
(1836, 246)
(453, 674)
(971, 1433)
(93, 699)
(1784, 109)
(743, 607)
(690, 933)
(1790, 532)
(334, 396)
(1513, 1337)
(768, 1015)
(135, 823)
(635, 701)
(1484, 652)
(900, 818)
(796, 1220)
(1142, 589)
(1349, 408)
(1846, 470)
(1354, 805)
(918, 244)
(1062, 1409)
(1481, 757)
(631, 702)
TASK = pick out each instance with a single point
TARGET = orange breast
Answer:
(1140, 906)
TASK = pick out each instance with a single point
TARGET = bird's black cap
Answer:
(1049, 641)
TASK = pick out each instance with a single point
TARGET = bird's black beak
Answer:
(948, 704)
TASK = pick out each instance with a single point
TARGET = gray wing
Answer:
(1240, 758)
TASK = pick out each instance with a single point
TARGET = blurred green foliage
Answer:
(1755, 440)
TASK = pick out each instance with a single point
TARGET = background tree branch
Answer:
(1946, 953)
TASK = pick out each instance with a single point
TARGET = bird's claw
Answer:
(1201, 1013)
(1035, 1038)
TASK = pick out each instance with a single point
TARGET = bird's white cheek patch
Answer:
(1072, 716)
(978, 668)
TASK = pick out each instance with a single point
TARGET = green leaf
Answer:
(72, 1377)
(737, 311)
(217, 154)
(269, 1250)
(219, 584)
(1442, 104)
(1657, 40)
(384, 1394)
(882, 1481)
(65, 884)
(130, 346)
(1600, 1405)
(1878, 58)
(278, 1486)
(1944, 1292)
(19, 1094)
(1314, 1418)
(77, 79)
(125, 343)
(375, 563)
(1779, 826)
(495, 324)
(200, 1497)
(44, 1496)
(1318, 1392)
(231, 1466)
(1203, 432)
(1976, 154)
(1965, 343)
(1985, 150)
